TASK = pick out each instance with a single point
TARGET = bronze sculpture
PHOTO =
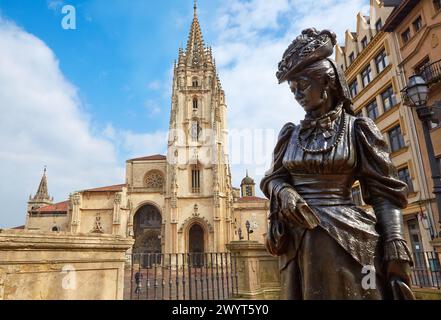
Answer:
(326, 243)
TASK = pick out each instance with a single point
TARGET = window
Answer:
(389, 99)
(195, 82)
(56, 229)
(378, 25)
(372, 110)
(353, 87)
(364, 42)
(248, 191)
(351, 57)
(356, 196)
(154, 180)
(366, 76)
(195, 180)
(396, 139)
(405, 36)
(404, 176)
(381, 61)
(195, 104)
(195, 130)
(437, 4)
(417, 24)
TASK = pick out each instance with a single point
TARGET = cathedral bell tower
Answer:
(197, 162)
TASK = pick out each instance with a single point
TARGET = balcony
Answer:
(432, 73)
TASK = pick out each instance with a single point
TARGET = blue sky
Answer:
(83, 101)
(119, 55)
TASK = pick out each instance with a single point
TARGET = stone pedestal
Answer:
(61, 266)
(258, 271)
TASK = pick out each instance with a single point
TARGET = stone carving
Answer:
(154, 180)
(97, 228)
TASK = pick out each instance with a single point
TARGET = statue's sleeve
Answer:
(277, 177)
(381, 187)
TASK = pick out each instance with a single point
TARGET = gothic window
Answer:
(154, 180)
(195, 130)
(195, 82)
(195, 180)
(195, 104)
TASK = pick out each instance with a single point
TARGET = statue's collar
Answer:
(324, 121)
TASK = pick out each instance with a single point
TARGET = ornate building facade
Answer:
(373, 64)
(180, 202)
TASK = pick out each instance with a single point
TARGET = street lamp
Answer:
(417, 92)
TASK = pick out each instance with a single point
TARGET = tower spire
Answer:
(195, 45)
(42, 192)
(41, 197)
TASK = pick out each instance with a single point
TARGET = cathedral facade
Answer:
(176, 203)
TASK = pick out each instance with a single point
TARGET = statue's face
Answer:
(307, 91)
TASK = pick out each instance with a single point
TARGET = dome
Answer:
(247, 180)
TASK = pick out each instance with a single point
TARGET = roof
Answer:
(117, 187)
(19, 228)
(155, 157)
(251, 199)
(398, 14)
(57, 207)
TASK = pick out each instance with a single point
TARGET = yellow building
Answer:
(371, 64)
(176, 203)
(415, 27)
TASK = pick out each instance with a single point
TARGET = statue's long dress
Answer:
(333, 260)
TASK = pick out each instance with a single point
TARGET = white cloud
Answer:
(43, 123)
(251, 38)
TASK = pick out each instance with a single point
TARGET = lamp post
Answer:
(417, 91)
(248, 226)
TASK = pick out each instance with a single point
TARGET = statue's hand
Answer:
(289, 199)
(296, 211)
(399, 269)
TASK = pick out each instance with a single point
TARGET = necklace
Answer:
(336, 142)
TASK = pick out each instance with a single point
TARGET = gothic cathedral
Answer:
(178, 203)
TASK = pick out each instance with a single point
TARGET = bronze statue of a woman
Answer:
(328, 247)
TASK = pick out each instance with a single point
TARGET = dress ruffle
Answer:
(397, 250)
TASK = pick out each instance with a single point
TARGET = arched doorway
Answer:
(196, 244)
(147, 226)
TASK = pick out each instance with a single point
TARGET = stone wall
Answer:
(61, 266)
